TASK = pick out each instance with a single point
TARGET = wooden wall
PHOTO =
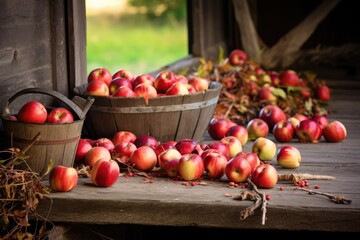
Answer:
(42, 44)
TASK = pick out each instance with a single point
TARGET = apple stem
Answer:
(334, 198)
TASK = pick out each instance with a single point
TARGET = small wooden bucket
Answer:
(57, 141)
(165, 117)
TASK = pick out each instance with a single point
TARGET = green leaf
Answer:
(279, 92)
(221, 55)
(308, 105)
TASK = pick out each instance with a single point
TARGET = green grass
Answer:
(135, 45)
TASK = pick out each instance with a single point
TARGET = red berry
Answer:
(267, 197)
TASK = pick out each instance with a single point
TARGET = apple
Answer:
(11, 117)
(119, 82)
(272, 114)
(146, 140)
(168, 155)
(187, 145)
(219, 146)
(164, 80)
(171, 143)
(96, 153)
(257, 128)
(104, 142)
(283, 131)
(178, 88)
(300, 117)
(274, 76)
(143, 78)
(123, 136)
(144, 158)
(233, 144)
(238, 169)
(288, 157)
(63, 179)
(190, 167)
(124, 91)
(289, 78)
(264, 176)
(123, 151)
(237, 57)
(163, 147)
(199, 84)
(82, 148)
(97, 88)
(240, 132)
(322, 120)
(32, 112)
(123, 73)
(214, 165)
(100, 74)
(294, 121)
(322, 93)
(335, 131)
(171, 168)
(265, 94)
(146, 91)
(308, 131)
(251, 157)
(264, 148)
(60, 115)
(181, 78)
(105, 173)
(218, 127)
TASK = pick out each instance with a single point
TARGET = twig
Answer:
(263, 199)
(334, 198)
(296, 177)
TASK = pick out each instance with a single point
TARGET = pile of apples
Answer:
(35, 112)
(123, 83)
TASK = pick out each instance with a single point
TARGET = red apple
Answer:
(294, 121)
(308, 131)
(300, 117)
(163, 147)
(100, 74)
(199, 84)
(144, 158)
(123, 73)
(274, 76)
(322, 120)
(240, 132)
(238, 169)
(219, 146)
(171, 168)
(233, 144)
(146, 140)
(181, 78)
(164, 80)
(335, 131)
(289, 78)
(251, 157)
(82, 148)
(123, 136)
(63, 179)
(123, 150)
(257, 128)
(288, 157)
(177, 88)
(187, 145)
(96, 153)
(146, 91)
(32, 112)
(60, 115)
(104, 142)
(237, 57)
(168, 155)
(124, 91)
(97, 88)
(264, 176)
(105, 173)
(264, 148)
(119, 82)
(218, 127)
(283, 131)
(143, 78)
(214, 164)
(265, 94)
(272, 114)
(322, 93)
(190, 167)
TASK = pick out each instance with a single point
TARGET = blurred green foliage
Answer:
(163, 9)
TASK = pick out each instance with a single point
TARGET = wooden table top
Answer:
(166, 202)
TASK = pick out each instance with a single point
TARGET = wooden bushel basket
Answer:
(165, 118)
(57, 141)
